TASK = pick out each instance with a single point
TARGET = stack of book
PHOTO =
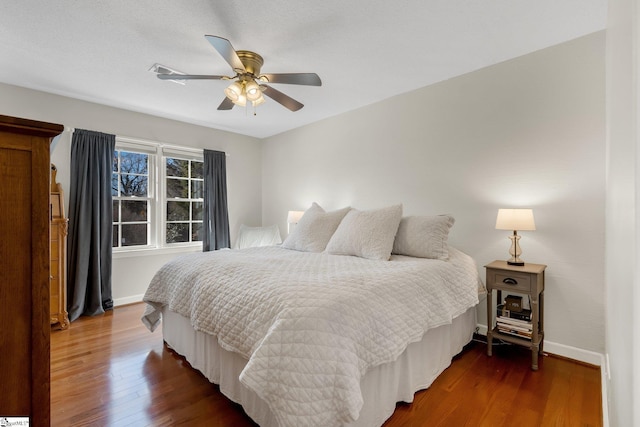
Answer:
(514, 323)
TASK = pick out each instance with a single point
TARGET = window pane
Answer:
(177, 233)
(115, 237)
(177, 167)
(131, 178)
(196, 211)
(177, 211)
(197, 169)
(133, 185)
(115, 161)
(196, 232)
(177, 188)
(197, 189)
(134, 163)
(116, 211)
(114, 185)
(134, 234)
(134, 210)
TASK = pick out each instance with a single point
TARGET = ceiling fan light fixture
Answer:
(252, 90)
(241, 101)
(234, 92)
(258, 101)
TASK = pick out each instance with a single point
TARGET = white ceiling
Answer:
(363, 50)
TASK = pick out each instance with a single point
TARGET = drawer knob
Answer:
(510, 281)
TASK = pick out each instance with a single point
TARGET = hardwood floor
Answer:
(110, 370)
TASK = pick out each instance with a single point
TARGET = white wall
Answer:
(131, 274)
(528, 132)
(623, 194)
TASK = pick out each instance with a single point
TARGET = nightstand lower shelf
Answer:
(534, 345)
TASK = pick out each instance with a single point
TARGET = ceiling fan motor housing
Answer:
(252, 62)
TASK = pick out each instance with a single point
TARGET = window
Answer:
(131, 199)
(185, 192)
(157, 196)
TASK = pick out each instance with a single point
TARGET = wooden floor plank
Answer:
(109, 370)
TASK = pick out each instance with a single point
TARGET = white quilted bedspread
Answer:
(311, 324)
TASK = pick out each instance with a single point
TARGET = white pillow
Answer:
(314, 229)
(249, 237)
(424, 236)
(367, 234)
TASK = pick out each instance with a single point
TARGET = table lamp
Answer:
(292, 218)
(515, 219)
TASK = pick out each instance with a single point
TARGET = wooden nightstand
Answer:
(525, 280)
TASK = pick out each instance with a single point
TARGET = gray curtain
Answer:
(216, 217)
(90, 224)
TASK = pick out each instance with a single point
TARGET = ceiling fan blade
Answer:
(224, 48)
(308, 79)
(226, 104)
(281, 98)
(189, 77)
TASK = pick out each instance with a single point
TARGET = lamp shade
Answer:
(258, 101)
(515, 219)
(241, 101)
(234, 91)
(252, 90)
(294, 216)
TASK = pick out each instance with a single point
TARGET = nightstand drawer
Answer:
(512, 281)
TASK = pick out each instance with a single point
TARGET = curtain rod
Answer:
(148, 141)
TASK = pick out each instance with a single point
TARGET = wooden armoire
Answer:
(58, 256)
(24, 263)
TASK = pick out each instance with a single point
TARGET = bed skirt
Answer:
(382, 386)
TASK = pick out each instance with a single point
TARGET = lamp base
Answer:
(515, 251)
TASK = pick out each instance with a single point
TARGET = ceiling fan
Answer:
(248, 84)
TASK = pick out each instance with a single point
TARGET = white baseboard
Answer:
(481, 329)
(127, 300)
(586, 356)
(604, 381)
(569, 352)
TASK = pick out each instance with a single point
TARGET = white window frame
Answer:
(182, 154)
(157, 192)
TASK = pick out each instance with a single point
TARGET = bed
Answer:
(328, 338)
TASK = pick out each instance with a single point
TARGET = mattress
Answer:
(416, 368)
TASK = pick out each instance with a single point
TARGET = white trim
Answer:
(150, 251)
(188, 152)
(141, 141)
(127, 300)
(165, 146)
(126, 144)
(481, 329)
(604, 384)
(574, 353)
(581, 355)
